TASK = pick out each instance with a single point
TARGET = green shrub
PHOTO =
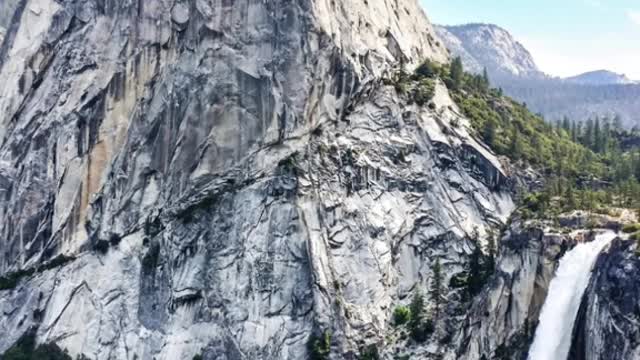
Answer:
(370, 353)
(401, 315)
(319, 346)
(11, 280)
(631, 228)
(57, 261)
(25, 349)
(422, 330)
(424, 91)
(101, 246)
(427, 69)
(400, 82)
(459, 281)
(636, 238)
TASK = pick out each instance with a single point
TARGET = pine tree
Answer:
(566, 125)
(417, 308)
(617, 122)
(570, 198)
(456, 73)
(486, 83)
(597, 136)
(606, 136)
(515, 147)
(436, 291)
(574, 131)
(489, 132)
(418, 325)
(475, 278)
(587, 139)
(636, 164)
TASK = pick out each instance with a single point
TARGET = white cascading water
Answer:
(552, 340)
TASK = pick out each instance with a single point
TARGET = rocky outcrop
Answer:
(227, 178)
(172, 73)
(607, 324)
(489, 46)
(456, 47)
(501, 320)
(614, 219)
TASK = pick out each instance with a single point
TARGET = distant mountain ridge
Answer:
(601, 77)
(511, 66)
(490, 46)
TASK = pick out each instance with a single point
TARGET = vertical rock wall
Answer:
(226, 177)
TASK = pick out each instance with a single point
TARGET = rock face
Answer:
(7, 9)
(457, 48)
(501, 321)
(489, 46)
(226, 178)
(607, 324)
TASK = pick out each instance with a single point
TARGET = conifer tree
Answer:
(617, 122)
(566, 125)
(419, 326)
(570, 198)
(474, 280)
(515, 147)
(597, 136)
(574, 131)
(436, 290)
(486, 83)
(456, 73)
(588, 135)
(489, 132)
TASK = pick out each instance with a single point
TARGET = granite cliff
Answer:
(226, 178)
(238, 179)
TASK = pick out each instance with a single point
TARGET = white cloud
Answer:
(634, 16)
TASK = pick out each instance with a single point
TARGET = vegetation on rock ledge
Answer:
(587, 164)
(12, 279)
(27, 349)
(320, 346)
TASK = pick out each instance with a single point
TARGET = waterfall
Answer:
(553, 335)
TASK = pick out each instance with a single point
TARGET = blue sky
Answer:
(566, 37)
